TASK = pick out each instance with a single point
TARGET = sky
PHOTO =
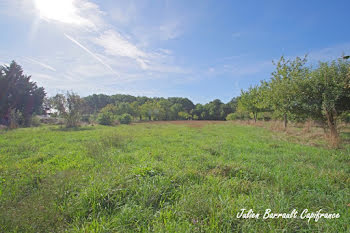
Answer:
(199, 49)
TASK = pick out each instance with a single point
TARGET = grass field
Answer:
(191, 177)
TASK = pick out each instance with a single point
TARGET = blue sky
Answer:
(197, 49)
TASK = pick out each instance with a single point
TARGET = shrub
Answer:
(16, 119)
(184, 115)
(105, 118)
(35, 121)
(238, 116)
(231, 117)
(125, 119)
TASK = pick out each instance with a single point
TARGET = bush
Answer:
(16, 119)
(105, 118)
(184, 115)
(125, 119)
(231, 117)
(237, 116)
(35, 121)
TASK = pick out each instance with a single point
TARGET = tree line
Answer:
(107, 109)
(295, 92)
(298, 92)
(21, 99)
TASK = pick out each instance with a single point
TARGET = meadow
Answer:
(165, 177)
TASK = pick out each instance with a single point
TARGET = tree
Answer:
(326, 93)
(197, 111)
(253, 100)
(147, 110)
(96, 102)
(283, 94)
(70, 106)
(184, 116)
(136, 110)
(18, 94)
(174, 111)
(214, 110)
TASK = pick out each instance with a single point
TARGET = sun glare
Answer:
(59, 10)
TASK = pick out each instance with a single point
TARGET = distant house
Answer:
(49, 111)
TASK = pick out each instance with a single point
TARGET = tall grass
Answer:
(168, 178)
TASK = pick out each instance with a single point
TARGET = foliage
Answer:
(107, 115)
(144, 108)
(125, 119)
(283, 95)
(18, 94)
(184, 116)
(326, 94)
(253, 100)
(299, 93)
(106, 118)
(231, 117)
(70, 106)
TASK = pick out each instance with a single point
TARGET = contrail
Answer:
(91, 53)
(41, 64)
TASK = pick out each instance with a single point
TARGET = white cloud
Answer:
(91, 53)
(44, 77)
(33, 61)
(75, 12)
(92, 49)
(116, 45)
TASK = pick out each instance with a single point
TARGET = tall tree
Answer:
(18, 93)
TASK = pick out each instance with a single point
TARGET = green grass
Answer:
(167, 178)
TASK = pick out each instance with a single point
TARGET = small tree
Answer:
(253, 101)
(327, 93)
(70, 106)
(283, 94)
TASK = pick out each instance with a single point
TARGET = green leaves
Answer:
(18, 93)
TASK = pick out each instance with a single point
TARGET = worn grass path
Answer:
(167, 178)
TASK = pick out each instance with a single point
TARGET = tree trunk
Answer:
(285, 121)
(332, 124)
(255, 116)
